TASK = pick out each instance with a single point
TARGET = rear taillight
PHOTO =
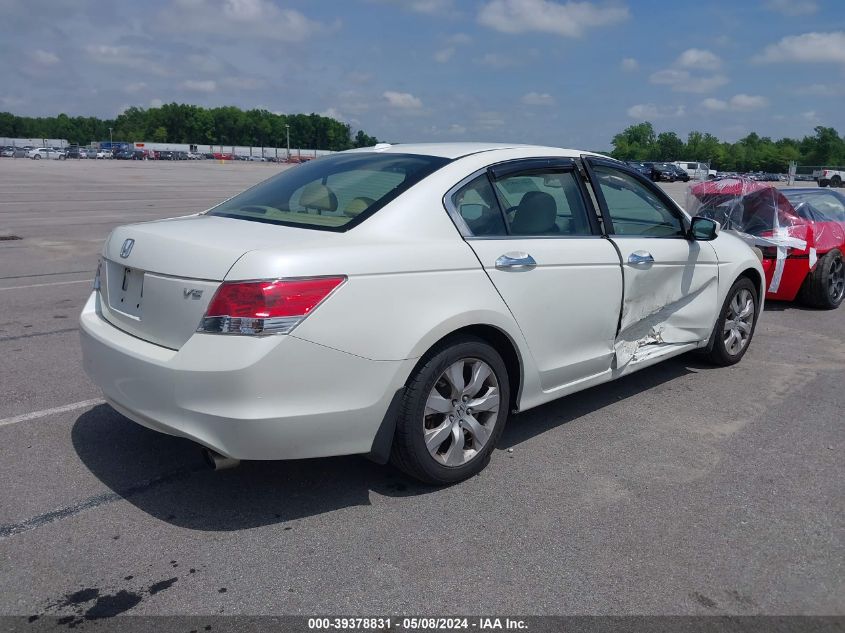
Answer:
(265, 307)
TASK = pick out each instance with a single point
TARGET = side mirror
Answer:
(704, 229)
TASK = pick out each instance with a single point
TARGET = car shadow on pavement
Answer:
(783, 306)
(536, 421)
(167, 477)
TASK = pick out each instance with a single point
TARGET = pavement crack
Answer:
(10, 529)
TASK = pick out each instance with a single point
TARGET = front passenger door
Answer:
(670, 281)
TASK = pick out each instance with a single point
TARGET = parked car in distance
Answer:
(305, 317)
(830, 177)
(640, 167)
(661, 172)
(46, 152)
(680, 174)
(801, 233)
(8, 152)
(696, 170)
(164, 155)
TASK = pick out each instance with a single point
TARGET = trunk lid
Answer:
(158, 278)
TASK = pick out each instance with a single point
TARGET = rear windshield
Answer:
(333, 193)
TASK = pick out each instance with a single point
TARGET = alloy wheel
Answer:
(836, 280)
(461, 412)
(739, 321)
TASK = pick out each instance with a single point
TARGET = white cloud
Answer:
(715, 105)
(432, 7)
(740, 102)
(568, 19)
(444, 54)
(538, 99)
(402, 100)
(806, 48)
(242, 83)
(629, 64)
(810, 115)
(684, 81)
(135, 87)
(821, 90)
(748, 102)
(457, 129)
(126, 57)
(489, 120)
(156, 103)
(44, 58)
(200, 85)
(792, 7)
(238, 19)
(459, 39)
(644, 111)
(496, 60)
(428, 7)
(699, 59)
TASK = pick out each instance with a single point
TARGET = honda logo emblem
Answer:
(127, 248)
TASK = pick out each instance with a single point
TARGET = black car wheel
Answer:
(453, 411)
(824, 287)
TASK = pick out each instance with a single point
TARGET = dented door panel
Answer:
(670, 301)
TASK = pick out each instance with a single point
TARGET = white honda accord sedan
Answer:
(401, 301)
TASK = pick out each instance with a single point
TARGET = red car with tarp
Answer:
(801, 233)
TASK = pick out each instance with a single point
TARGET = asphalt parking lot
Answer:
(682, 489)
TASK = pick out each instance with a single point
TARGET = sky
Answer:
(557, 72)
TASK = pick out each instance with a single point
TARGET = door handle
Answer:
(638, 258)
(516, 261)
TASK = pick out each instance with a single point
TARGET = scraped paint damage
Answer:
(648, 325)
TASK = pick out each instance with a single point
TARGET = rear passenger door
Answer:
(530, 225)
(671, 281)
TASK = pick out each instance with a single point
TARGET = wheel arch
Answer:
(757, 279)
(496, 337)
(499, 340)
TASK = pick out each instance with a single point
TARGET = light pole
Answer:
(287, 129)
(111, 142)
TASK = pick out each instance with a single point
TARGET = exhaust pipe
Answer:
(218, 461)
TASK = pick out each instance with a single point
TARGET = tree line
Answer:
(182, 123)
(752, 153)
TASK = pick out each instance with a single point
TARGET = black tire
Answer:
(37, 157)
(824, 287)
(719, 354)
(836, 181)
(409, 452)
(823, 183)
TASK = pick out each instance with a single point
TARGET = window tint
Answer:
(544, 203)
(332, 192)
(633, 208)
(476, 204)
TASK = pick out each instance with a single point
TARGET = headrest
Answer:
(316, 195)
(535, 214)
(357, 206)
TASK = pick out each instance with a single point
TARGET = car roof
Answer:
(458, 150)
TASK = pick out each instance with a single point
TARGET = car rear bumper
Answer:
(274, 397)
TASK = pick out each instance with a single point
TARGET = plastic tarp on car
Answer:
(759, 214)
